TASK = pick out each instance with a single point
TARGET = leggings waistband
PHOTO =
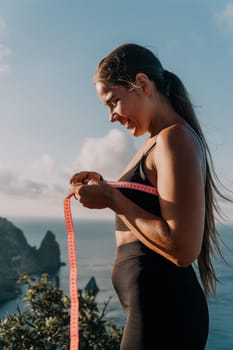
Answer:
(132, 250)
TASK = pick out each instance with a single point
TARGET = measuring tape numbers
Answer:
(73, 280)
(133, 186)
(73, 274)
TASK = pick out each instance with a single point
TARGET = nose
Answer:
(113, 117)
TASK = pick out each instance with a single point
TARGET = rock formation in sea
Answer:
(17, 257)
(92, 286)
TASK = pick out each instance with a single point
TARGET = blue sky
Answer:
(52, 123)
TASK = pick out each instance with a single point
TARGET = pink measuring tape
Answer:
(73, 277)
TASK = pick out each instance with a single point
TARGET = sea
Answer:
(95, 243)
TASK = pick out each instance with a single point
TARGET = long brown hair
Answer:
(120, 68)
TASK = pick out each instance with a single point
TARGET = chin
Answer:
(137, 133)
(134, 132)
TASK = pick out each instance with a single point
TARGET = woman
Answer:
(159, 236)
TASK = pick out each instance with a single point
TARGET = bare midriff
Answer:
(123, 237)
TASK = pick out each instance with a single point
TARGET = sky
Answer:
(52, 123)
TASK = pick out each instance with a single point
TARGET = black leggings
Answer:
(164, 304)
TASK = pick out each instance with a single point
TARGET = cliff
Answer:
(17, 257)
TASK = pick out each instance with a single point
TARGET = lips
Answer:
(123, 121)
(127, 123)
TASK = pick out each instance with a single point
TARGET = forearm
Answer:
(150, 229)
(174, 240)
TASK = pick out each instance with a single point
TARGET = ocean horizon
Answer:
(95, 242)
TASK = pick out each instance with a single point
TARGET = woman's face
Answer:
(128, 107)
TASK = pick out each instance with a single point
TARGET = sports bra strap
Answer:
(149, 150)
(141, 162)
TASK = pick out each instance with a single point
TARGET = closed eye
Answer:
(112, 103)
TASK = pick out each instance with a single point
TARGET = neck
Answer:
(164, 117)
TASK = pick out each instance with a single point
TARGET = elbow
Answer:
(185, 260)
(184, 253)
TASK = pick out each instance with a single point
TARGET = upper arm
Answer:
(180, 185)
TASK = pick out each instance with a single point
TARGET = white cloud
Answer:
(38, 182)
(40, 191)
(224, 19)
(21, 196)
(107, 155)
(27, 198)
(4, 68)
(45, 164)
(13, 184)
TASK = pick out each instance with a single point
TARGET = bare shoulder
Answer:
(177, 132)
(178, 137)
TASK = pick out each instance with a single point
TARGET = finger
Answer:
(78, 177)
(71, 188)
(72, 179)
(84, 177)
(75, 194)
(74, 189)
(98, 177)
(93, 182)
(77, 197)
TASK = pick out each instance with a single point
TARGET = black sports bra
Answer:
(147, 201)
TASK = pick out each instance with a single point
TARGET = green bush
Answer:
(44, 322)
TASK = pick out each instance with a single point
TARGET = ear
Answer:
(144, 83)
